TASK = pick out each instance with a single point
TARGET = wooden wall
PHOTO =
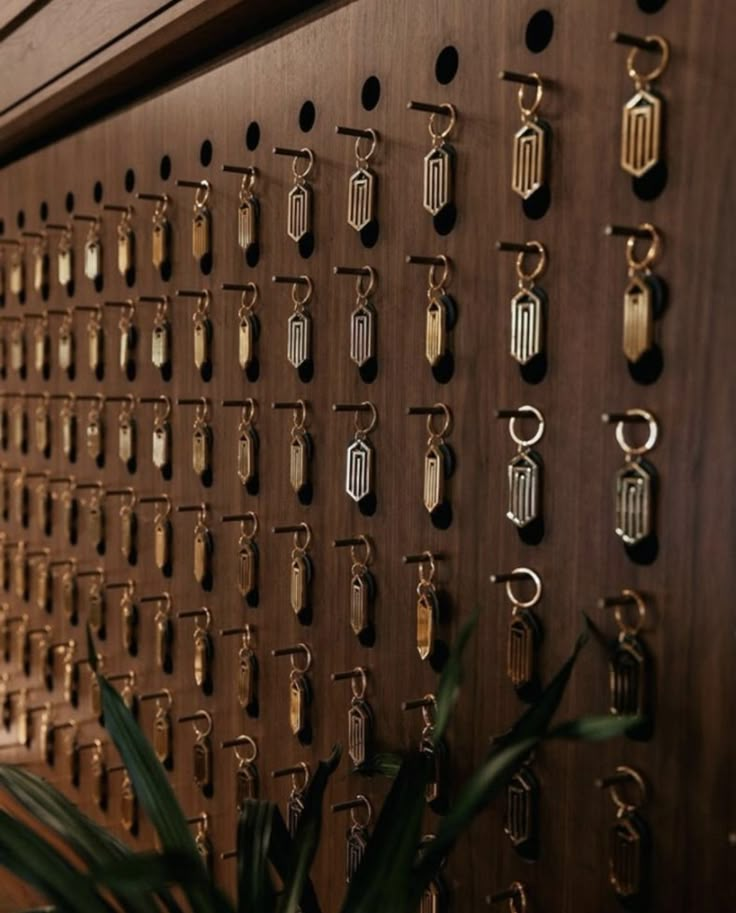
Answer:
(688, 762)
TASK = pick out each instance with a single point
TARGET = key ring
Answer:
(300, 302)
(531, 110)
(447, 416)
(435, 286)
(202, 195)
(300, 175)
(362, 160)
(623, 806)
(354, 812)
(371, 423)
(367, 556)
(652, 252)
(303, 648)
(364, 293)
(247, 740)
(359, 683)
(651, 438)
(304, 528)
(537, 436)
(535, 578)
(529, 277)
(629, 630)
(451, 113)
(299, 417)
(643, 79)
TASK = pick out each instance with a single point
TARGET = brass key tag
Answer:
(298, 702)
(20, 576)
(160, 235)
(162, 735)
(70, 682)
(128, 805)
(128, 530)
(524, 633)
(295, 805)
(162, 535)
(98, 770)
(360, 459)
(129, 617)
(161, 438)
(299, 327)
(69, 514)
(529, 156)
(18, 347)
(202, 332)
(68, 419)
(42, 346)
(43, 504)
(202, 441)
(126, 243)
(65, 257)
(201, 222)
(70, 595)
(299, 200)
(246, 783)
(438, 461)
(634, 484)
(642, 117)
(40, 253)
(66, 344)
(522, 801)
(248, 212)
(19, 498)
(161, 336)
(247, 675)
(642, 296)
(202, 657)
(629, 841)
(360, 723)
(202, 550)
(628, 664)
(363, 322)
(164, 634)
(127, 437)
(95, 432)
(439, 164)
(93, 252)
(96, 605)
(19, 425)
(95, 342)
(525, 473)
(247, 444)
(300, 451)
(299, 578)
(42, 426)
(362, 186)
(362, 589)
(127, 340)
(43, 584)
(435, 755)
(202, 761)
(96, 521)
(17, 271)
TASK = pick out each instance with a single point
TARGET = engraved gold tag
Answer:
(160, 235)
(98, 770)
(426, 611)
(18, 425)
(361, 191)
(162, 736)
(434, 477)
(360, 722)
(65, 257)
(70, 682)
(247, 563)
(520, 650)
(202, 762)
(298, 700)
(363, 324)
(40, 253)
(66, 345)
(17, 347)
(359, 466)
(164, 636)
(96, 604)
(17, 271)
(626, 860)
(41, 427)
(436, 330)
(247, 670)
(299, 584)
(246, 783)
(299, 211)
(129, 620)
(96, 521)
(128, 529)
(201, 223)
(69, 594)
(128, 805)
(93, 254)
(43, 585)
(360, 602)
(126, 341)
(94, 436)
(201, 448)
(69, 515)
(202, 656)
(161, 445)
(41, 347)
(68, 419)
(126, 437)
(162, 543)
(298, 460)
(247, 213)
(126, 244)
(20, 573)
(202, 554)
(633, 502)
(521, 801)
(94, 342)
(43, 506)
(638, 319)
(19, 499)
(161, 340)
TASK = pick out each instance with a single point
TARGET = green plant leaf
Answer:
(255, 825)
(90, 842)
(154, 791)
(448, 689)
(281, 853)
(594, 728)
(306, 839)
(381, 881)
(27, 855)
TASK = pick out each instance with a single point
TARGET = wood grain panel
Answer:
(688, 761)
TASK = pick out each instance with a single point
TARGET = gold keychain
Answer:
(202, 442)
(360, 456)
(17, 270)
(96, 601)
(628, 662)
(202, 330)
(68, 420)
(524, 470)
(247, 672)
(160, 234)
(522, 810)
(128, 526)
(248, 325)
(203, 647)
(427, 608)
(65, 257)
(440, 315)
(201, 751)
(129, 618)
(629, 839)
(295, 805)
(524, 631)
(161, 440)
(93, 250)
(128, 339)
(300, 570)
(438, 170)
(163, 741)
(643, 296)
(247, 576)
(162, 536)
(246, 773)
(161, 336)
(642, 118)
(300, 693)
(40, 254)
(126, 242)
(299, 212)
(246, 461)
(248, 211)
(96, 518)
(635, 481)
(18, 346)
(42, 346)
(128, 804)
(42, 425)
(95, 433)
(300, 451)
(203, 844)
(202, 549)
(164, 633)
(95, 342)
(19, 424)
(438, 460)
(528, 306)
(127, 432)
(299, 326)
(360, 716)
(362, 183)
(201, 222)
(363, 320)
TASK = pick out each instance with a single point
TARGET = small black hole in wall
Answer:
(650, 6)
(2, 226)
(252, 135)
(205, 153)
(445, 67)
(44, 211)
(650, 185)
(69, 202)
(370, 93)
(97, 192)
(539, 31)
(129, 180)
(307, 116)
(164, 169)
(21, 218)
(536, 206)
